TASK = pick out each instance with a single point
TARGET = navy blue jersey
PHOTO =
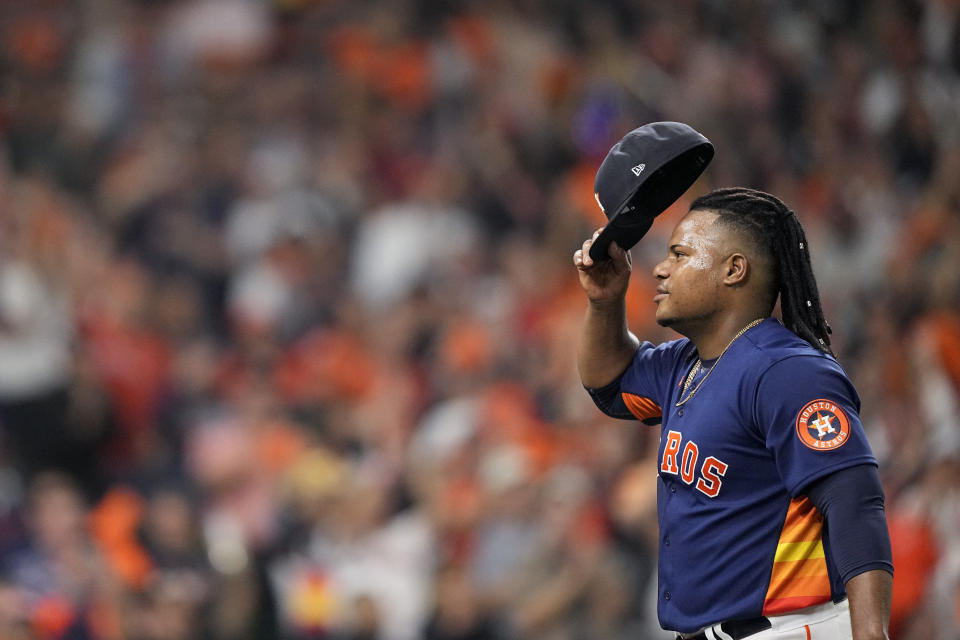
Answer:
(738, 538)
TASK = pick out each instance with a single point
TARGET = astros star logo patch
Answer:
(822, 425)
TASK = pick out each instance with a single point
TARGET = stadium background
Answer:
(287, 303)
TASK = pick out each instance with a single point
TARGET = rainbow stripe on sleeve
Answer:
(799, 577)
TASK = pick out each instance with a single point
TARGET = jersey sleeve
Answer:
(640, 391)
(852, 502)
(807, 411)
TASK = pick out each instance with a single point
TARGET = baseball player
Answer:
(770, 506)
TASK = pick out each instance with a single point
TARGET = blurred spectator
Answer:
(458, 612)
(60, 575)
(35, 327)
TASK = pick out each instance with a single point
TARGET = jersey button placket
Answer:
(666, 595)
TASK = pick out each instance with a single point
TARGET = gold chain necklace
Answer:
(696, 367)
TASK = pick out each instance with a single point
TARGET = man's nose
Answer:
(660, 270)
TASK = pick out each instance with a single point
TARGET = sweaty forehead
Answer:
(696, 228)
(722, 232)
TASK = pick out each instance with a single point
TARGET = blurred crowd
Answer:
(288, 314)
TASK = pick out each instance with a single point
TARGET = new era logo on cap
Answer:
(637, 170)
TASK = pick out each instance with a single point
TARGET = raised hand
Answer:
(606, 280)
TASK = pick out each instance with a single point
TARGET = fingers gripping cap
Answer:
(642, 175)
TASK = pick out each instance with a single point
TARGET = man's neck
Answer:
(713, 339)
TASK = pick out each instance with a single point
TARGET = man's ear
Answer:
(737, 269)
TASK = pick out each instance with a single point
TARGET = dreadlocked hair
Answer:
(775, 229)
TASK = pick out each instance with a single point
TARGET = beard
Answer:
(667, 322)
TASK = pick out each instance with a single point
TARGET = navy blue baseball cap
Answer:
(642, 175)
